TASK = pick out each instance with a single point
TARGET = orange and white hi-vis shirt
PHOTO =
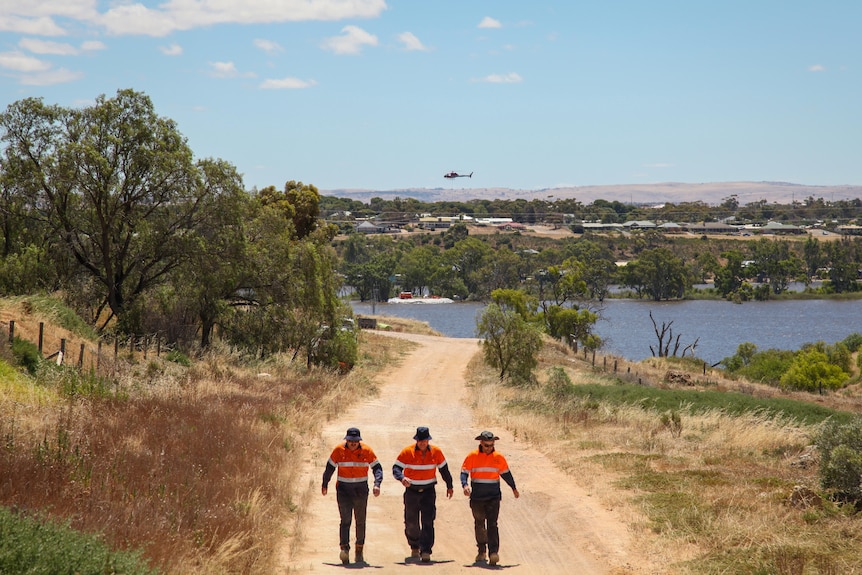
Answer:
(485, 471)
(420, 467)
(352, 466)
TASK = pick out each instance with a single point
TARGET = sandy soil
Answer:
(555, 527)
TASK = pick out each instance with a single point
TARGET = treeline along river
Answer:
(718, 325)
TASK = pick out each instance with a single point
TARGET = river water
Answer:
(718, 325)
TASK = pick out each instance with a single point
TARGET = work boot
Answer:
(425, 557)
(414, 553)
(359, 557)
(344, 555)
(493, 558)
(480, 557)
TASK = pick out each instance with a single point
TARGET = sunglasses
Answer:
(487, 444)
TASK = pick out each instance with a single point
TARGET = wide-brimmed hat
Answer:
(353, 434)
(487, 436)
(422, 433)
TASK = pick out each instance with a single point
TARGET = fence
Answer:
(92, 358)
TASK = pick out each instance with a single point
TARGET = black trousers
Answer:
(420, 510)
(485, 515)
(352, 502)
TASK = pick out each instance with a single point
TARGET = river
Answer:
(718, 325)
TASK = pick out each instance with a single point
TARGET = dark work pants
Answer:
(420, 510)
(352, 502)
(485, 514)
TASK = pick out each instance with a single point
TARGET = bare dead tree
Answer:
(666, 339)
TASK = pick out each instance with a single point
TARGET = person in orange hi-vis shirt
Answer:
(416, 469)
(485, 467)
(352, 459)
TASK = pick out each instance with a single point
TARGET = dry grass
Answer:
(712, 497)
(191, 465)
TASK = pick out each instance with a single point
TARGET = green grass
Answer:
(34, 546)
(693, 402)
(60, 314)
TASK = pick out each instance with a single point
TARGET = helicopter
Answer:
(451, 175)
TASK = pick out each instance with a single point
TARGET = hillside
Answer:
(676, 192)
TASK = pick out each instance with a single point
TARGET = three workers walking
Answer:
(416, 469)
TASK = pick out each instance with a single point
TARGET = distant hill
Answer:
(675, 192)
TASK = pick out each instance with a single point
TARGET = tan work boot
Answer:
(425, 557)
(480, 557)
(493, 558)
(359, 556)
(414, 553)
(344, 556)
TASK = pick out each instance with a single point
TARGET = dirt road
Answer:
(555, 527)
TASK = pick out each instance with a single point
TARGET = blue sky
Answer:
(392, 94)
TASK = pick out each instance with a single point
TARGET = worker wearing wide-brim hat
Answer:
(416, 468)
(484, 467)
(352, 459)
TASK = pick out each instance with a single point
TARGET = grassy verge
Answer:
(191, 465)
(706, 479)
(33, 545)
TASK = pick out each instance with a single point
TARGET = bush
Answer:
(26, 355)
(34, 546)
(178, 357)
(853, 341)
(840, 447)
(558, 382)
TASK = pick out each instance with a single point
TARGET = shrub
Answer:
(840, 447)
(178, 357)
(26, 354)
(558, 382)
(853, 341)
(30, 545)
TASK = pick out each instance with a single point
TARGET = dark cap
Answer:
(353, 434)
(487, 436)
(422, 433)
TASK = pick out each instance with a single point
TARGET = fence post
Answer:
(99, 355)
(146, 342)
(81, 357)
(11, 330)
(615, 366)
(41, 335)
(158, 345)
(116, 349)
(62, 353)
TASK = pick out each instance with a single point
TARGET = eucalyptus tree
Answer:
(773, 259)
(658, 274)
(116, 184)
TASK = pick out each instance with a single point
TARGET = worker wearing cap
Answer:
(352, 459)
(416, 468)
(485, 467)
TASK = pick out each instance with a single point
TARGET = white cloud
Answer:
(227, 70)
(92, 46)
(817, 68)
(351, 41)
(286, 84)
(268, 46)
(45, 47)
(658, 165)
(51, 77)
(35, 26)
(510, 78)
(172, 50)
(177, 15)
(38, 18)
(20, 62)
(488, 22)
(411, 42)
